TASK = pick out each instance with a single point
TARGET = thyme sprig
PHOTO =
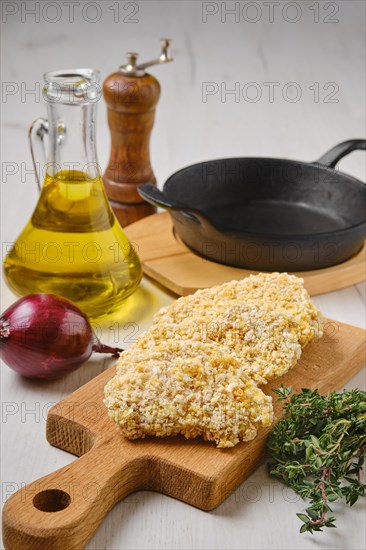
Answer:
(318, 449)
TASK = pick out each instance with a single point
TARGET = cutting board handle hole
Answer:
(51, 500)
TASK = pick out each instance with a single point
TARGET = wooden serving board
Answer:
(62, 510)
(172, 264)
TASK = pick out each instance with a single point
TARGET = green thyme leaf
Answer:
(318, 449)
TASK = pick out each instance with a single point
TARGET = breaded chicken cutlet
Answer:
(196, 370)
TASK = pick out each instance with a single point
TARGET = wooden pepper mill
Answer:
(131, 96)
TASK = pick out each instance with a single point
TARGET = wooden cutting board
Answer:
(172, 264)
(62, 510)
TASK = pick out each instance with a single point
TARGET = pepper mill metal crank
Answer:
(131, 95)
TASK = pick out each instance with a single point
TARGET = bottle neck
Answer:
(71, 135)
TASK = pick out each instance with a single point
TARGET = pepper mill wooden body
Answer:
(131, 96)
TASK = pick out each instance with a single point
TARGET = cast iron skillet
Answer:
(266, 213)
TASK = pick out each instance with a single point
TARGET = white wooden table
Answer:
(318, 46)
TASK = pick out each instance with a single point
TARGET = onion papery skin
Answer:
(44, 336)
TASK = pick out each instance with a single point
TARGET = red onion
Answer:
(46, 336)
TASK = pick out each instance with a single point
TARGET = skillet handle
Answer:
(154, 196)
(332, 157)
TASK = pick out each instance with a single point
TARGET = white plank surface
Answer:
(221, 51)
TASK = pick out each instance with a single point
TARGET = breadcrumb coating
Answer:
(195, 371)
(191, 389)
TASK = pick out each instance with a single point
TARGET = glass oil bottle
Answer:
(72, 245)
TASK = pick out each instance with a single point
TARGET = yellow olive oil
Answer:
(73, 246)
